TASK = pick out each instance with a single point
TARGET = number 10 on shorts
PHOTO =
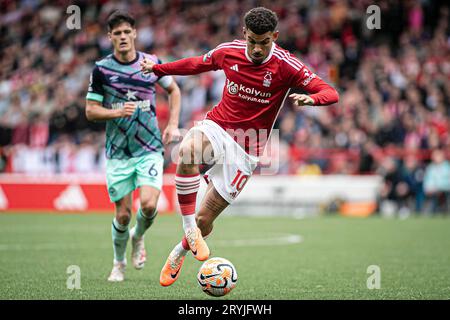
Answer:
(239, 180)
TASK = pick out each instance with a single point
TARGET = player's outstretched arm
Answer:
(172, 133)
(96, 112)
(183, 67)
(320, 94)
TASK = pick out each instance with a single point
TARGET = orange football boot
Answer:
(171, 270)
(197, 244)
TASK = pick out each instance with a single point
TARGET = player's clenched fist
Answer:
(147, 65)
(171, 134)
(302, 99)
(128, 109)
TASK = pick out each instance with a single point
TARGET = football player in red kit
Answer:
(259, 76)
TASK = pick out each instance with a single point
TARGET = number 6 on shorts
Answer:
(152, 171)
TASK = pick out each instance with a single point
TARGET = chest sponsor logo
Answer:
(144, 105)
(232, 87)
(248, 93)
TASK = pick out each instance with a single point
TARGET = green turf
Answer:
(330, 263)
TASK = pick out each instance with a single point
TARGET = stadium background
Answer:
(393, 83)
(392, 121)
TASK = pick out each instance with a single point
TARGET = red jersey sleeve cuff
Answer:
(156, 70)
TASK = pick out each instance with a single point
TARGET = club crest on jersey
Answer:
(145, 76)
(267, 79)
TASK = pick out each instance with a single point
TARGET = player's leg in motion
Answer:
(145, 216)
(120, 235)
(212, 205)
(187, 182)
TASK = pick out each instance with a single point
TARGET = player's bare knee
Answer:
(190, 152)
(148, 207)
(123, 217)
(123, 213)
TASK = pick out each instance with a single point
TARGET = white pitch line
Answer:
(285, 239)
(273, 241)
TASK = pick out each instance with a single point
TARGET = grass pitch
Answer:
(276, 258)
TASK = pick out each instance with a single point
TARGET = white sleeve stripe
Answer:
(233, 43)
(291, 58)
(229, 46)
(276, 54)
(223, 44)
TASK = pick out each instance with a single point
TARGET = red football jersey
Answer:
(254, 93)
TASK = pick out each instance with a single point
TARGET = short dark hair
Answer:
(117, 17)
(261, 20)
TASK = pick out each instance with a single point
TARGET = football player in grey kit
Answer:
(125, 98)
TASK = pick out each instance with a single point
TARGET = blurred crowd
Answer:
(393, 117)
